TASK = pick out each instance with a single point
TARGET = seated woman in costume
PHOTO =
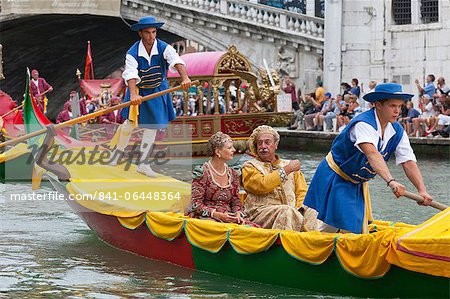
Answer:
(215, 190)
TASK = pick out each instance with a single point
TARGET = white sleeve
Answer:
(131, 69)
(172, 57)
(363, 133)
(404, 151)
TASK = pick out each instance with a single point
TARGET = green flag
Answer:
(30, 118)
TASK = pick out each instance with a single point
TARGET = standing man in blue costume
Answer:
(146, 66)
(339, 189)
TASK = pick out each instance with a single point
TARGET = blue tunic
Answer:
(155, 113)
(340, 203)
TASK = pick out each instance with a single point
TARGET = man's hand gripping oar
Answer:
(418, 198)
(41, 156)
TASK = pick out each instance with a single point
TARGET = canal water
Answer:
(46, 251)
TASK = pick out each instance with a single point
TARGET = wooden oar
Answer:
(419, 199)
(11, 111)
(45, 92)
(92, 115)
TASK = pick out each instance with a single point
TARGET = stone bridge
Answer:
(290, 42)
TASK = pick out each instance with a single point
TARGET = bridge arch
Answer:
(290, 42)
(56, 46)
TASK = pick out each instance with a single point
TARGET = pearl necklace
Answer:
(215, 171)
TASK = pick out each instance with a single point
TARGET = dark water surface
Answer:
(46, 251)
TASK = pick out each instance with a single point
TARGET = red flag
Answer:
(89, 67)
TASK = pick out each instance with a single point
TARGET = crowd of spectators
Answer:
(247, 102)
(434, 109)
(320, 111)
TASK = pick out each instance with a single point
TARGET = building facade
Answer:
(384, 40)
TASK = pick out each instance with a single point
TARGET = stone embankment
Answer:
(321, 141)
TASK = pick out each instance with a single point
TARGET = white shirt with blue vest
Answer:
(150, 71)
(337, 190)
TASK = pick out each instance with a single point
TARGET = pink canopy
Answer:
(12, 119)
(200, 63)
(6, 103)
(92, 87)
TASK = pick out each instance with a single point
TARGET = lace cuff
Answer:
(243, 215)
(283, 175)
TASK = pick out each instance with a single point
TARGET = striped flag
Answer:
(31, 120)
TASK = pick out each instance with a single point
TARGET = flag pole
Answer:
(89, 64)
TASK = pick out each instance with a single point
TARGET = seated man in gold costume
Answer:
(275, 187)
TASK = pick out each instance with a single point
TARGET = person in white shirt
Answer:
(442, 88)
(364, 104)
(339, 188)
(146, 66)
(427, 116)
(39, 89)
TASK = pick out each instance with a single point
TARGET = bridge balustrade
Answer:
(258, 14)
